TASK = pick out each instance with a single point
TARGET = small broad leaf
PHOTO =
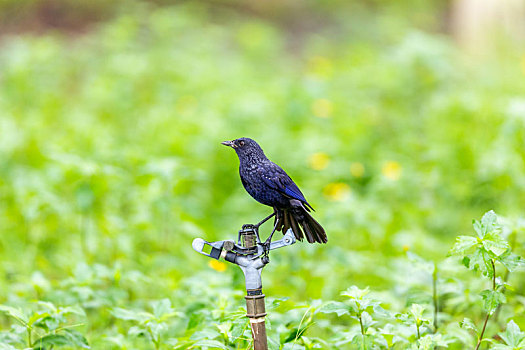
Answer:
(469, 325)
(492, 299)
(4, 346)
(212, 344)
(137, 331)
(162, 308)
(481, 261)
(51, 340)
(416, 311)
(157, 328)
(67, 337)
(77, 310)
(76, 338)
(363, 342)
(478, 228)
(367, 320)
(421, 263)
(426, 343)
(464, 245)
(513, 336)
(15, 313)
(355, 293)
(489, 220)
(335, 307)
(494, 243)
(131, 315)
(511, 261)
(207, 333)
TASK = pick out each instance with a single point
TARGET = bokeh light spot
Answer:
(319, 161)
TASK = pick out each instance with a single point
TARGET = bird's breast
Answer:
(255, 185)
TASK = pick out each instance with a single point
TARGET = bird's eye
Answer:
(241, 143)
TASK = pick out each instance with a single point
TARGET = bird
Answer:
(270, 185)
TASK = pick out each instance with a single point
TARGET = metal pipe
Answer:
(255, 308)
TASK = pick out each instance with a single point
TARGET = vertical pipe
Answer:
(255, 309)
(256, 313)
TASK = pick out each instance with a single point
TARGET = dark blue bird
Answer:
(268, 184)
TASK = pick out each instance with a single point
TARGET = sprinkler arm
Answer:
(219, 248)
(250, 262)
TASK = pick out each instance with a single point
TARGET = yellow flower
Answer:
(322, 108)
(337, 191)
(357, 169)
(319, 161)
(391, 170)
(217, 265)
(406, 248)
(320, 67)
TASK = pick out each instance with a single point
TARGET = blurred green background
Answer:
(399, 121)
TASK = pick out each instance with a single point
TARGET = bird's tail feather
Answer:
(299, 219)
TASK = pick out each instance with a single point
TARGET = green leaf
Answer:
(511, 261)
(4, 346)
(51, 340)
(15, 313)
(481, 261)
(492, 299)
(213, 344)
(162, 308)
(355, 293)
(489, 220)
(488, 223)
(494, 243)
(416, 311)
(335, 307)
(469, 325)
(367, 320)
(513, 336)
(363, 342)
(131, 315)
(67, 337)
(464, 245)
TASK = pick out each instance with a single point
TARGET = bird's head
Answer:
(245, 147)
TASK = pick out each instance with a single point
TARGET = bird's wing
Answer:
(276, 178)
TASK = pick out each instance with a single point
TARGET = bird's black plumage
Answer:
(267, 183)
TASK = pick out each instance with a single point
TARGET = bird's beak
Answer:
(228, 143)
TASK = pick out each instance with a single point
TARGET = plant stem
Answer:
(156, 342)
(361, 324)
(362, 333)
(512, 241)
(29, 340)
(488, 313)
(418, 334)
(434, 296)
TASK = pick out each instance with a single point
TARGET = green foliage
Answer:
(44, 328)
(150, 325)
(111, 164)
(482, 254)
(513, 338)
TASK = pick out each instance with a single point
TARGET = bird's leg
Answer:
(265, 219)
(269, 239)
(255, 227)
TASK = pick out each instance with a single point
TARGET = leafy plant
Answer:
(482, 253)
(46, 327)
(150, 325)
